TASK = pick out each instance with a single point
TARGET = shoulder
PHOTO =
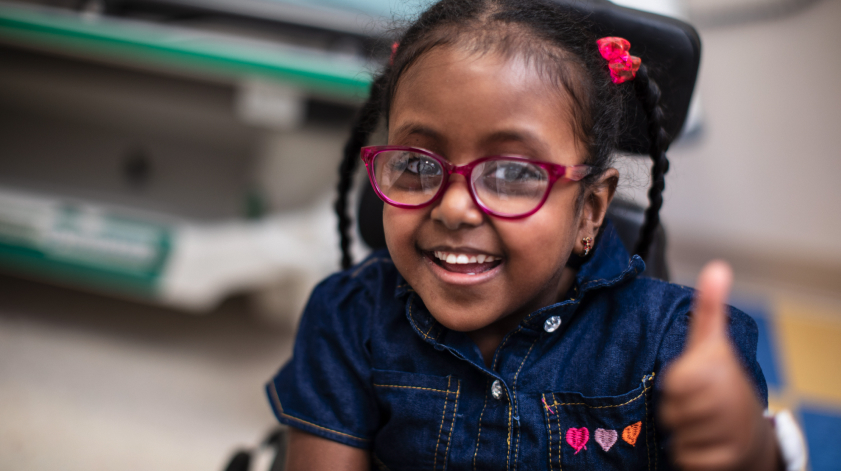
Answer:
(375, 276)
(664, 311)
(672, 302)
(675, 301)
(360, 289)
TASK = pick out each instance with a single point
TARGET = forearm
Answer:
(308, 452)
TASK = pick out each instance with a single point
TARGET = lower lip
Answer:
(462, 279)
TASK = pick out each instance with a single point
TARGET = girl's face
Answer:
(465, 106)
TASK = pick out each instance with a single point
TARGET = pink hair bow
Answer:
(393, 53)
(623, 66)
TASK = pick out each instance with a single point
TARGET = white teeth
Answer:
(463, 259)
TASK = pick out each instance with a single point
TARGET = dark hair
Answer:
(560, 45)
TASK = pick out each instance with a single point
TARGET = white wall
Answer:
(762, 182)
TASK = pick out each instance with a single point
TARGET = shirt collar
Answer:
(609, 263)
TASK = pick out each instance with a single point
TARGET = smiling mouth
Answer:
(471, 264)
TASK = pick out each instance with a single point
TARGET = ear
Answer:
(597, 198)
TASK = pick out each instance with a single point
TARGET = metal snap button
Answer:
(552, 324)
(496, 390)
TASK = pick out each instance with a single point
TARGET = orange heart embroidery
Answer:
(631, 433)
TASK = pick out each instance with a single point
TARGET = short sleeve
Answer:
(744, 335)
(325, 388)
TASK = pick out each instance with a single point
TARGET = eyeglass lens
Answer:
(503, 186)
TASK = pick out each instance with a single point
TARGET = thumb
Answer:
(709, 318)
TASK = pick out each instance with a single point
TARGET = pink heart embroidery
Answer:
(606, 438)
(577, 438)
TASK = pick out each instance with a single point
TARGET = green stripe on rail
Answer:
(132, 41)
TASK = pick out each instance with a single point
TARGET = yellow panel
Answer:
(810, 344)
(782, 400)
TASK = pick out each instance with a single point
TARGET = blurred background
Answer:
(166, 176)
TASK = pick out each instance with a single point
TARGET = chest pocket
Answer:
(601, 433)
(418, 413)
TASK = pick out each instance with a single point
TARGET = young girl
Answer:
(470, 343)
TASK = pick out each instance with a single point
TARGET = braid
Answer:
(648, 93)
(363, 127)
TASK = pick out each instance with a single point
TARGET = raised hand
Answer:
(709, 403)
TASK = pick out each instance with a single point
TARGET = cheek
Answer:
(400, 227)
(543, 240)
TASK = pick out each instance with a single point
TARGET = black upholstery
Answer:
(627, 218)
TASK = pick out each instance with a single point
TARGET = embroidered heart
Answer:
(605, 438)
(577, 438)
(631, 433)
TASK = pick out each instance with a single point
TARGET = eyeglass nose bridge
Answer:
(465, 171)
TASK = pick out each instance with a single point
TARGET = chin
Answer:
(461, 320)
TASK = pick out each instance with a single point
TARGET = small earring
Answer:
(588, 244)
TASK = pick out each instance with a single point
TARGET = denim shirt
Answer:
(575, 386)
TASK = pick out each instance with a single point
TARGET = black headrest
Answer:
(670, 48)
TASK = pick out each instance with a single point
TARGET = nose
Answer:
(456, 208)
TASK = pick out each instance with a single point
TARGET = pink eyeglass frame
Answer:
(556, 172)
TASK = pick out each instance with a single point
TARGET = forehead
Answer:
(466, 99)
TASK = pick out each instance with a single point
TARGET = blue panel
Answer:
(766, 350)
(766, 353)
(823, 429)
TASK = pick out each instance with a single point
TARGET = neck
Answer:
(489, 337)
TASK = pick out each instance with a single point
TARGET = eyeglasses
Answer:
(504, 186)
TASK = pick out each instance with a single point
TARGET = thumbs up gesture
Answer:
(709, 403)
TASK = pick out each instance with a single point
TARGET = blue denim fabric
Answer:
(372, 369)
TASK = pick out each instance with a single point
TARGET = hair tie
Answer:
(393, 53)
(623, 66)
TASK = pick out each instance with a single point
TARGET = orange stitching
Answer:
(508, 456)
(280, 407)
(452, 425)
(379, 462)
(441, 428)
(549, 420)
(560, 439)
(514, 389)
(431, 325)
(412, 317)
(598, 407)
(479, 434)
(410, 387)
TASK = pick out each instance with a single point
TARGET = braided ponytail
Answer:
(648, 93)
(363, 127)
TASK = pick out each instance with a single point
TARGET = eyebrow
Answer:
(522, 136)
(415, 128)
